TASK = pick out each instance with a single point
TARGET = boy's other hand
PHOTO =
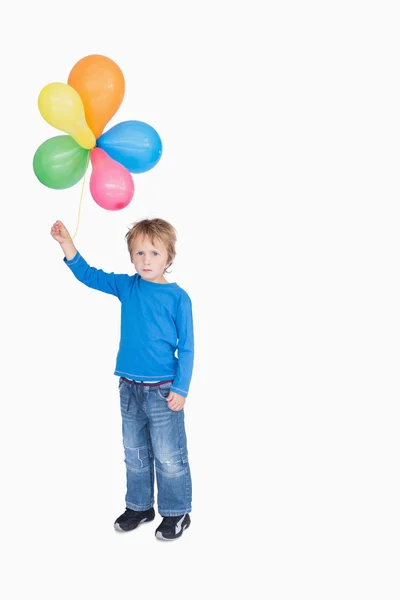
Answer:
(175, 401)
(60, 232)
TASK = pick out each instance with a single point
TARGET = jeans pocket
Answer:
(163, 391)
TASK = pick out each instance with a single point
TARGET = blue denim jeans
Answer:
(154, 437)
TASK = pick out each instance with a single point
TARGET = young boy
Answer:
(156, 321)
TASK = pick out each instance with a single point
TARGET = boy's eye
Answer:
(155, 253)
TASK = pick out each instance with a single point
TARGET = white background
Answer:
(281, 134)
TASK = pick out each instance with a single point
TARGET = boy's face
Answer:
(150, 260)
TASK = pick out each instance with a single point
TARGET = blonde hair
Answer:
(154, 229)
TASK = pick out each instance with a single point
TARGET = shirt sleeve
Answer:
(184, 323)
(110, 283)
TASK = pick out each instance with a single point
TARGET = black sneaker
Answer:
(171, 528)
(132, 518)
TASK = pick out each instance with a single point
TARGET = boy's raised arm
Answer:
(110, 283)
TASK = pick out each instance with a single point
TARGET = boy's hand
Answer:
(60, 232)
(175, 401)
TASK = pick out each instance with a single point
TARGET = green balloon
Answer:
(60, 162)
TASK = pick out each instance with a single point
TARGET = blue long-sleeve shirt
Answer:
(156, 321)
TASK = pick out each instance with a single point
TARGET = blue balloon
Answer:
(134, 144)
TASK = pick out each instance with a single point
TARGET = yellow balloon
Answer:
(61, 106)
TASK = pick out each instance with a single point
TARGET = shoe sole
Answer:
(160, 536)
(118, 528)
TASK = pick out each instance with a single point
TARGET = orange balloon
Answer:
(101, 85)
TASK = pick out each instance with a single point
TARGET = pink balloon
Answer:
(111, 184)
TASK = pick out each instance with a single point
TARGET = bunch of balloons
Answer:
(82, 108)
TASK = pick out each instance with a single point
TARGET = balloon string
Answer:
(80, 201)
